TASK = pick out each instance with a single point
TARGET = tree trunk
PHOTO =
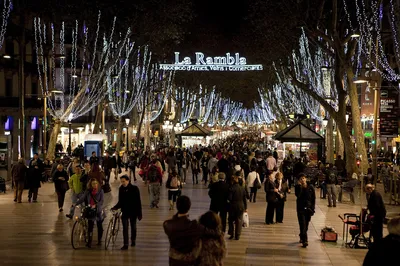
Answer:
(348, 147)
(97, 121)
(119, 135)
(139, 128)
(356, 118)
(147, 129)
(329, 142)
(53, 139)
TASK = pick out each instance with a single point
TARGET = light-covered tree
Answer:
(73, 64)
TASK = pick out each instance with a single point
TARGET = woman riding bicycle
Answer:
(94, 199)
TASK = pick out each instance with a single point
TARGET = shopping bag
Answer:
(246, 222)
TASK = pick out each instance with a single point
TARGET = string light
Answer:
(86, 88)
(7, 7)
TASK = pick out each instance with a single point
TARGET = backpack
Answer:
(332, 177)
(152, 174)
(174, 182)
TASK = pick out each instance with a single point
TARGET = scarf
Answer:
(93, 196)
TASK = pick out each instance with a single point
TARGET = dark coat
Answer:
(223, 165)
(61, 185)
(185, 240)
(283, 191)
(376, 206)
(129, 202)
(213, 251)
(305, 197)
(384, 253)
(19, 172)
(35, 173)
(237, 200)
(219, 193)
(269, 187)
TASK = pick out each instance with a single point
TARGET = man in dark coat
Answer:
(184, 235)
(377, 209)
(34, 177)
(130, 204)
(386, 252)
(219, 192)
(60, 179)
(108, 164)
(237, 206)
(18, 173)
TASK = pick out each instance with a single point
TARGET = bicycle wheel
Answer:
(116, 229)
(78, 235)
(109, 234)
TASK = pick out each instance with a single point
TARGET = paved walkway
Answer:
(37, 234)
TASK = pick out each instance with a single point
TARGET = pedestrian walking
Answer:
(237, 206)
(305, 202)
(131, 207)
(272, 199)
(94, 199)
(219, 194)
(174, 186)
(331, 180)
(60, 179)
(154, 180)
(34, 177)
(18, 174)
(253, 183)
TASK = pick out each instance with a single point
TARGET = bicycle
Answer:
(113, 228)
(80, 231)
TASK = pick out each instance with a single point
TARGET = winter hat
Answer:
(238, 168)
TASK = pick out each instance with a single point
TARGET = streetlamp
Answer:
(167, 127)
(71, 115)
(127, 120)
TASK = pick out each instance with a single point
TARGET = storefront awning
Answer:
(195, 130)
(298, 132)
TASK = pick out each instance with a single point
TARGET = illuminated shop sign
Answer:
(229, 62)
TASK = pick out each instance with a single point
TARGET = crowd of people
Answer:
(232, 170)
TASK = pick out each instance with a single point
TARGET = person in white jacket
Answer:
(252, 183)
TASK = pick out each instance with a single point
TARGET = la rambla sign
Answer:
(228, 62)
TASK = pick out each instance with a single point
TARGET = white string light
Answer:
(7, 7)
(86, 87)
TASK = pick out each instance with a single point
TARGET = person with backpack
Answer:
(331, 179)
(154, 180)
(174, 186)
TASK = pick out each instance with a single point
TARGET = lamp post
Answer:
(71, 115)
(127, 120)
(167, 127)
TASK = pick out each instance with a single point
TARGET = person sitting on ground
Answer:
(386, 252)
(213, 248)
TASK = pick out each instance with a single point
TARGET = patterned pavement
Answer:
(37, 234)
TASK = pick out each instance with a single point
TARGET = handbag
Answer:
(246, 222)
(89, 213)
(257, 183)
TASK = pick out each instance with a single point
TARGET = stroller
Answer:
(357, 226)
